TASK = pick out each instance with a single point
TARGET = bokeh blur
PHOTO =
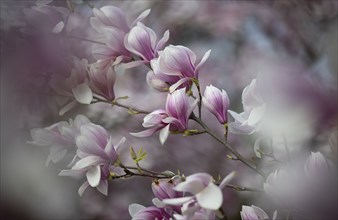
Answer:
(290, 44)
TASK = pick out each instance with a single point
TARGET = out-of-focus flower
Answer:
(174, 118)
(253, 213)
(204, 191)
(139, 212)
(180, 61)
(160, 81)
(111, 16)
(112, 23)
(142, 41)
(44, 19)
(97, 157)
(254, 107)
(217, 102)
(102, 78)
(75, 88)
(316, 165)
(60, 137)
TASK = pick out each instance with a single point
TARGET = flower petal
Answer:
(94, 176)
(177, 201)
(83, 187)
(210, 198)
(83, 94)
(164, 133)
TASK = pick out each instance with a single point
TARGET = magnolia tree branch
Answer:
(132, 110)
(226, 145)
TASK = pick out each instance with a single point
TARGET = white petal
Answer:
(227, 179)
(83, 187)
(256, 115)
(83, 94)
(58, 27)
(141, 16)
(94, 176)
(164, 133)
(177, 201)
(205, 57)
(103, 187)
(211, 197)
(67, 107)
(134, 208)
(158, 203)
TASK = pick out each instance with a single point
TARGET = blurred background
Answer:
(293, 43)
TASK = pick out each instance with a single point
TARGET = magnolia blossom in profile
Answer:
(180, 61)
(60, 137)
(97, 156)
(205, 193)
(142, 41)
(160, 81)
(316, 166)
(112, 23)
(174, 118)
(217, 102)
(254, 107)
(74, 89)
(102, 80)
(255, 213)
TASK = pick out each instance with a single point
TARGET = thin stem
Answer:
(132, 110)
(148, 173)
(242, 188)
(227, 146)
(200, 98)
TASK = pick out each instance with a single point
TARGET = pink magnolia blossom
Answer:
(180, 61)
(254, 107)
(217, 102)
(97, 156)
(160, 81)
(60, 137)
(142, 41)
(112, 23)
(102, 80)
(139, 212)
(174, 118)
(75, 88)
(253, 213)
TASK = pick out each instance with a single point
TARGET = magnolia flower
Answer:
(217, 102)
(180, 61)
(254, 213)
(249, 121)
(102, 78)
(60, 137)
(317, 165)
(112, 23)
(97, 156)
(45, 19)
(205, 194)
(142, 41)
(164, 188)
(139, 212)
(174, 118)
(75, 88)
(111, 16)
(160, 81)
